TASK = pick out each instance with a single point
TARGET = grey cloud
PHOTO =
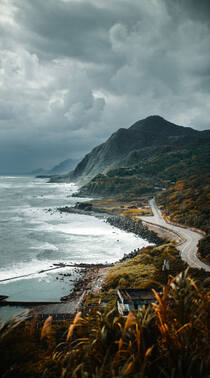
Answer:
(193, 9)
(73, 72)
(77, 30)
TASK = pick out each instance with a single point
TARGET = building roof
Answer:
(130, 295)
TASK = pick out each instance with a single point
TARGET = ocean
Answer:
(34, 236)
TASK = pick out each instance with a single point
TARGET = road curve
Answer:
(188, 248)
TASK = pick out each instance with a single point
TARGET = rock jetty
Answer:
(129, 225)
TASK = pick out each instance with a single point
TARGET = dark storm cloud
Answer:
(74, 71)
(66, 29)
(194, 9)
(78, 30)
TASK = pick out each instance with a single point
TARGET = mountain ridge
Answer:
(153, 132)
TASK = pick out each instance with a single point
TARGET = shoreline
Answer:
(121, 222)
(91, 279)
(91, 275)
(75, 210)
(57, 267)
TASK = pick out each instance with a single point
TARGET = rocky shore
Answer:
(85, 209)
(137, 227)
(91, 280)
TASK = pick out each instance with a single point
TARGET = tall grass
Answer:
(167, 339)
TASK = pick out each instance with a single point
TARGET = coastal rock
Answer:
(84, 206)
(127, 224)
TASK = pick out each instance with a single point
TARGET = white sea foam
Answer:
(38, 238)
(15, 219)
(32, 269)
(23, 268)
(81, 229)
(45, 246)
(87, 239)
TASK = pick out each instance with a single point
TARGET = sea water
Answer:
(34, 236)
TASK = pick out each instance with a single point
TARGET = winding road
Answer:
(188, 246)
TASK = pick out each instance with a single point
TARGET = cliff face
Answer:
(144, 137)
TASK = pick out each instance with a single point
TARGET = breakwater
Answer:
(137, 227)
(59, 266)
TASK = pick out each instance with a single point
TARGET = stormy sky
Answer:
(74, 71)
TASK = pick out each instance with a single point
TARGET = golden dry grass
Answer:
(117, 207)
(144, 270)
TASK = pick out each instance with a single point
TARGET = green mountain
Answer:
(146, 140)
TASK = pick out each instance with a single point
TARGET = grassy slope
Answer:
(188, 202)
(144, 271)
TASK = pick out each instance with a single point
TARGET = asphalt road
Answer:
(190, 238)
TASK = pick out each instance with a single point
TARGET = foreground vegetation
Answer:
(167, 339)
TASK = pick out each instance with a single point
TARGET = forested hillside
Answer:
(188, 203)
(152, 173)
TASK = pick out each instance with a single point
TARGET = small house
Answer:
(134, 299)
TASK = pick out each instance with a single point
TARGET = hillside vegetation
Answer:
(144, 271)
(149, 175)
(188, 203)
